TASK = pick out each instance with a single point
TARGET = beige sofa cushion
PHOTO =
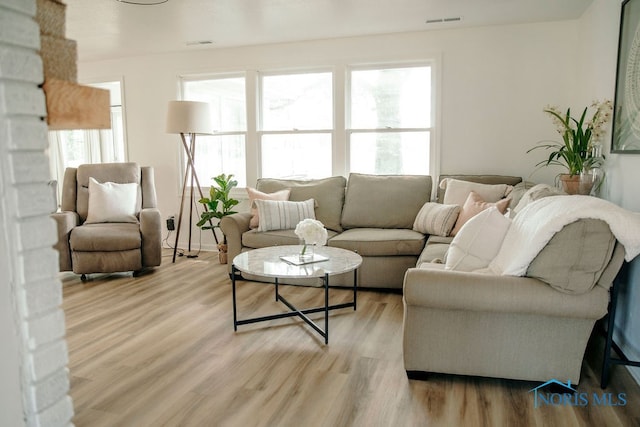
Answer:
(435, 250)
(573, 260)
(380, 241)
(482, 179)
(456, 191)
(384, 201)
(328, 194)
(256, 239)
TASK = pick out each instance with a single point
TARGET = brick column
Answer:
(34, 351)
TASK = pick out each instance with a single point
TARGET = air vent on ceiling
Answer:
(199, 42)
(441, 20)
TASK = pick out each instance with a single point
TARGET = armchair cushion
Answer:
(107, 237)
(111, 202)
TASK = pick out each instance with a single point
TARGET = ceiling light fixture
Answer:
(143, 2)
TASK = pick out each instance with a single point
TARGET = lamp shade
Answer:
(189, 117)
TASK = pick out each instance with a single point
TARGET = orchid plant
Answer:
(312, 232)
(579, 150)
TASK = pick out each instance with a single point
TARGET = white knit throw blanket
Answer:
(535, 225)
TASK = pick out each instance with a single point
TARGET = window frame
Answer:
(182, 79)
(434, 141)
(340, 133)
(260, 132)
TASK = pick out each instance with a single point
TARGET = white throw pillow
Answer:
(283, 215)
(436, 219)
(111, 202)
(478, 241)
(456, 191)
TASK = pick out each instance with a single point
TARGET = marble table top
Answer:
(267, 262)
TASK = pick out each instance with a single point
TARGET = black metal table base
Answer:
(608, 360)
(294, 311)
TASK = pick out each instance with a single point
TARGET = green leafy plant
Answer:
(219, 203)
(579, 150)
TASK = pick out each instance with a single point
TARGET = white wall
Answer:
(599, 35)
(495, 82)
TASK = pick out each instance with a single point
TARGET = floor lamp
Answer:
(189, 118)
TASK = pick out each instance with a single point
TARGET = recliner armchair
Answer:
(108, 247)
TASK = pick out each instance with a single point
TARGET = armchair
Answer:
(108, 247)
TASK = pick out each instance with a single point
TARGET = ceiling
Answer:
(110, 29)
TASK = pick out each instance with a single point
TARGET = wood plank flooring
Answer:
(160, 350)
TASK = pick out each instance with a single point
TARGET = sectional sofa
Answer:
(371, 214)
(533, 325)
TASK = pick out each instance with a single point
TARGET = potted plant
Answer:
(580, 151)
(219, 204)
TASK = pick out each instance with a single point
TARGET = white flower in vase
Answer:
(312, 232)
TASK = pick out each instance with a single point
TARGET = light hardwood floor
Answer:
(160, 350)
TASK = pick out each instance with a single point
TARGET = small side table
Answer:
(609, 361)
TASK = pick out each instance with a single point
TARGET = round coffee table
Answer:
(279, 262)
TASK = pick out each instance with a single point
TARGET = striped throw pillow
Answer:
(436, 218)
(283, 215)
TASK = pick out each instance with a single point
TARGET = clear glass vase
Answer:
(306, 251)
(582, 183)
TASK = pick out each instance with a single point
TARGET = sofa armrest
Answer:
(65, 222)
(151, 232)
(455, 290)
(233, 226)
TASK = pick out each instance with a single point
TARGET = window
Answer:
(223, 152)
(71, 148)
(291, 125)
(389, 118)
(296, 125)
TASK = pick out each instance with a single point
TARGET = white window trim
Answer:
(181, 156)
(341, 90)
(434, 145)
